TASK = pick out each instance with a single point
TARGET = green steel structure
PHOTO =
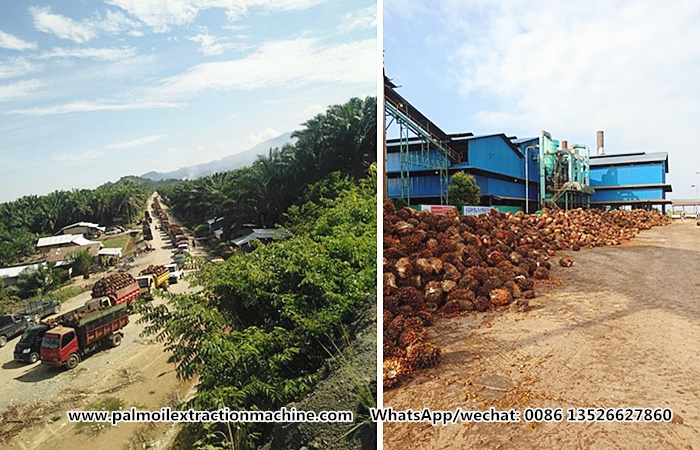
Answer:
(564, 174)
(438, 160)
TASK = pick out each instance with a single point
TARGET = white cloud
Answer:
(16, 67)
(160, 15)
(267, 133)
(85, 30)
(137, 142)
(19, 89)
(211, 45)
(90, 154)
(116, 22)
(359, 20)
(93, 107)
(290, 64)
(104, 54)
(594, 65)
(61, 26)
(11, 42)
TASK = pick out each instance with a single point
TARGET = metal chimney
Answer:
(564, 145)
(601, 144)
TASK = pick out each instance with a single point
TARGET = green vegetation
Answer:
(83, 262)
(117, 241)
(463, 190)
(256, 331)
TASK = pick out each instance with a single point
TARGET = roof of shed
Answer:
(12, 272)
(62, 253)
(83, 224)
(57, 240)
(259, 233)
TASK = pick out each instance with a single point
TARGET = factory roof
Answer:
(517, 141)
(629, 158)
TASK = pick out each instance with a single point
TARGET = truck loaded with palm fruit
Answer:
(151, 278)
(83, 331)
(118, 287)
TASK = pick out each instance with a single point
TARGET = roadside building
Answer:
(82, 228)
(8, 275)
(46, 244)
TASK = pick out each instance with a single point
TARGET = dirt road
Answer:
(137, 372)
(621, 329)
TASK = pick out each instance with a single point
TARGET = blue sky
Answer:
(630, 68)
(94, 90)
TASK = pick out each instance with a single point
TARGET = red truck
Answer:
(119, 288)
(85, 330)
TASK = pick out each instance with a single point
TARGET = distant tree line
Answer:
(342, 139)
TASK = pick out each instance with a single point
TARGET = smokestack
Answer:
(601, 144)
(564, 145)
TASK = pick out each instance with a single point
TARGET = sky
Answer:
(629, 68)
(91, 91)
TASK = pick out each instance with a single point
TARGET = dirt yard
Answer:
(621, 328)
(137, 373)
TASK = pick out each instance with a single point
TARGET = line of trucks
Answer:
(69, 337)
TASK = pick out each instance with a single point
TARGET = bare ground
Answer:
(620, 329)
(136, 372)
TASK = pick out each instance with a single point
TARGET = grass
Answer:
(65, 293)
(117, 241)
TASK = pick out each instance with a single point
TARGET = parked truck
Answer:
(118, 287)
(38, 309)
(12, 325)
(78, 333)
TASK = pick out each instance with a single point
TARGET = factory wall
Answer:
(493, 153)
(613, 195)
(487, 153)
(628, 175)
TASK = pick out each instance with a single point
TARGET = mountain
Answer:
(242, 159)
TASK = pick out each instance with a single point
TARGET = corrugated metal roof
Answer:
(12, 272)
(633, 158)
(82, 241)
(60, 254)
(259, 233)
(522, 140)
(83, 224)
(57, 240)
(76, 239)
(110, 251)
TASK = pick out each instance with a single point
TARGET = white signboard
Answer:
(476, 210)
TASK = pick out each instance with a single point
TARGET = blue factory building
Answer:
(509, 171)
(630, 179)
(497, 163)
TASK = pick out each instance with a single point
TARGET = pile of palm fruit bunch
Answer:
(157, 270)
(107, 285)
(451, 265)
